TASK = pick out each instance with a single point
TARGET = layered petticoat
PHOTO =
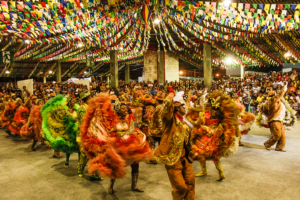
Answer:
(213, 141)
(246, 120)
(58, 126)
(32, 129)
(110, 153)
(8, 114)
(20, 118)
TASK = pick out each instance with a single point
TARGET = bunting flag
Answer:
(146, 13)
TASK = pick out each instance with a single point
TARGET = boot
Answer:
(268, 148)
(33, 145)
(220, 169)
(203, 169)
(111, 186)
(134, 187)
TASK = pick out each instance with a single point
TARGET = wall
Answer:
(150, 66)
(171, 67)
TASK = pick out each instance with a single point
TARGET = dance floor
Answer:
(251, 173)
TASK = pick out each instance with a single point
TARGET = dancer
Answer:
(21, 116)
(274, 109)
(111, 141)
(59, 126)
(245, 119)
(156, 126)
(174, 149)
(84, 96)
(9, 113)
(32, 129)
(215, 133)
(148, 111)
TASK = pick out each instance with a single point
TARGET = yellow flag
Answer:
(233, 5)
(267, 8)
(167, 2)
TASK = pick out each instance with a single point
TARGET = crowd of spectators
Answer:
(252, 90)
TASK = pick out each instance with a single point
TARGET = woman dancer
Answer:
(21, 116)
(32, 129)
(111, 141)
(215, 134)
(59, 126)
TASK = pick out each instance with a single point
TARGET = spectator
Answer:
(26, 93)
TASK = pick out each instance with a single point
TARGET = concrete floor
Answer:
(252, 173)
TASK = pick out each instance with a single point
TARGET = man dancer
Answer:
(174, 149)
(84, 96)
(156, 126)
(274, 109)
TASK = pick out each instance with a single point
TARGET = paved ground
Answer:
(252, 173)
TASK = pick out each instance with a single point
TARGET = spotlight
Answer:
(6, 72)
(27, 41)
(80, 45)
(156, 21)
(85, 72)
(50, 72)
(288, 54)
(228, 60)
(227, 3)
(180, 72)
(217, 74)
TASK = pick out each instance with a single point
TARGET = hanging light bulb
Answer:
(288, 54)
(156, 21)
(227, 3)
(80, 45)
(27, 41)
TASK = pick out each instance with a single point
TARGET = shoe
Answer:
(268, 148)
(33, 149)
(152, 161)
(283, 150)
(201, 174)
(203, 169)
(134, 187)
(220, 170)
(8, 132)
(66, 165)
(80, 175)
(95, 177)
(241, 144)
(57, 156)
